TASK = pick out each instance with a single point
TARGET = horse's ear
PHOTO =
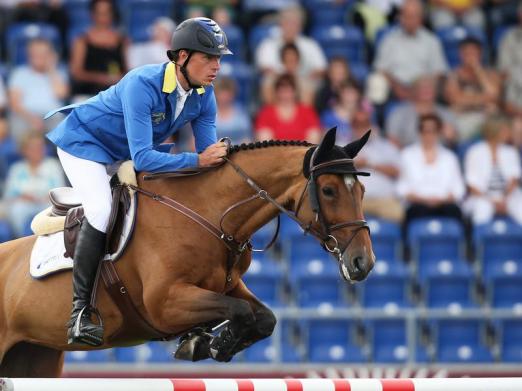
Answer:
(354, 147)
(327, 143)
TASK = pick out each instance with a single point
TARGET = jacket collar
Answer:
(170, 81)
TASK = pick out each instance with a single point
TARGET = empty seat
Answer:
(388, 340)
(243, 74)
(5, 231)
(149, 352)
(451, 36)
(510, 335)
(265, 279)
(386, 238)
(461, 340)
(236, 41)
(92, 356)
(341, 40)
(333, 340)
(505, 285)
(138, 15)
(18, 35)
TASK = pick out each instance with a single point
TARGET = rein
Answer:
(235, 247)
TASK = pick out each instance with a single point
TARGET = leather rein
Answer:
(235, 247)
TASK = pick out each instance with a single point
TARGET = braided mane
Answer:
(268, 143)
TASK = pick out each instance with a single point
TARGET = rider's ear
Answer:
(327, 143)
(354, 147)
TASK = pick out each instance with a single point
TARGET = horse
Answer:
(179, 275)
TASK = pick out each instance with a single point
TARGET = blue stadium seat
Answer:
(264, 234)
(77, 11)
(511, 340)
(386, 287)
(342, 40)
(498, 34)
(447, 284)
(265, 279)
(436, 239)
(149, 352)
(501, 240)
(381, 34)
(244, 76)
(138, 15)
(460, 341)
(386, 239)
(450, 38)
(388, 340)
(505, 285)
(5, 231)
(92, 356)
(259, 32)
(327, 12)
(236, 42)
(264, 351)
(360, 72)
(332, 340)
(9, 154)
(18, 35)
(318, 284)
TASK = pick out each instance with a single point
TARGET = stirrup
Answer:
(75, 335)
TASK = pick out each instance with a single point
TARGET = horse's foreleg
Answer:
(28, 360)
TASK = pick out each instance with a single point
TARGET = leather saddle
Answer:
(66, 203)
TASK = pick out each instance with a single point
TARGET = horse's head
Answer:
(334, 212)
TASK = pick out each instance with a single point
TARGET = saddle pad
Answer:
(47, 256)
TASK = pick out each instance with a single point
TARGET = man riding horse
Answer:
(130, 120)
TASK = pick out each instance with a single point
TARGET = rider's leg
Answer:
(90, 181)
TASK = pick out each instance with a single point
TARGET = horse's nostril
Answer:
(358, 264)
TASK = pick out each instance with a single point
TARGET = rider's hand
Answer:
(213, 155)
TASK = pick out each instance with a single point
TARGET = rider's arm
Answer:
(137, 103)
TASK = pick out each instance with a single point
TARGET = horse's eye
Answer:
(328, 191)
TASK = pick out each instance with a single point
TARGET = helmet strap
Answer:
(184, 71)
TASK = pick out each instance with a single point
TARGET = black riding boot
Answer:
(90, 249)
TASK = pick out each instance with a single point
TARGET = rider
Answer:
(130, 120)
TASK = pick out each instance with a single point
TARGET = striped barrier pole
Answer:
(432, 384)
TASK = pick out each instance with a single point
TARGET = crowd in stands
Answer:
(439, 82)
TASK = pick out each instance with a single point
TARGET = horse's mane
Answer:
(268, 143)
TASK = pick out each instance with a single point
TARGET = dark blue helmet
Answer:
(202, 35)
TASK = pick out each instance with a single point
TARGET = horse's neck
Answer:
(278, 170)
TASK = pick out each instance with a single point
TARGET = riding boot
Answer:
(90, 249)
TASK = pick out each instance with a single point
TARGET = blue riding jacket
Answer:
(130, 120)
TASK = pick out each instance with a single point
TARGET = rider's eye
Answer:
(328, 191)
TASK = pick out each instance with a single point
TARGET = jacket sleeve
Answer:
(137, 103)
(204, 126)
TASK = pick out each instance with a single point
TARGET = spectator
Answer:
(98, 58)
(35, 89)
(313, 62)
(29, 181)
(341, 114)
(448, 13)
(472, 90)
(287, 119)
(492, 172)
(409, 52)
(510, 63)
(338, 73)
(232, 118)
(152, 51)
(380, 158)
(402, 123)
(430, 181)
(291, 60)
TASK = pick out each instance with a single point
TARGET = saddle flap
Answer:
(63, 199)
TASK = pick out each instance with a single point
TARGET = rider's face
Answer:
(202, 68)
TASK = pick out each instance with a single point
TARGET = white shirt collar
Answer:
(181, 91)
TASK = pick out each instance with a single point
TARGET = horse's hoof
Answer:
(194, 347)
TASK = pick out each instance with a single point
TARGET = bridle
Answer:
(325, 232)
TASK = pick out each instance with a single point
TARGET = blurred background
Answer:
(440, 84)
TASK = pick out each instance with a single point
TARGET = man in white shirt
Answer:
(313, 60)
(430, 181)
(409, 52)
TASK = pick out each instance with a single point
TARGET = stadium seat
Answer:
(505, 286)
(360, 72)
(386, 239)
(5, 231)
(244, 76)
(138, 15)
(342, 40)
(327, 12)
(501, 240)
(259, 32)
(510, 336)
(386, 287)
(92, 356)
(264, 351)
(18, 35)
(387, 339)
(450, 38)
(265, 279)
(149, 352)
(236, 42)
(264, 234)
(436, 239)
(332, 340)
(77, 11)
(460, 341)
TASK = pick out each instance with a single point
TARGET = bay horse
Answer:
(176, 273)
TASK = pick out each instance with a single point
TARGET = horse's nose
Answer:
(359, 264)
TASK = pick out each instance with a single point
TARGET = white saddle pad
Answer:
(47, 256)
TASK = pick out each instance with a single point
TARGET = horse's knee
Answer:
(265, 322)
(243, 314)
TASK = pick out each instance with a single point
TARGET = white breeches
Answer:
(482, 209)
(91, 182)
